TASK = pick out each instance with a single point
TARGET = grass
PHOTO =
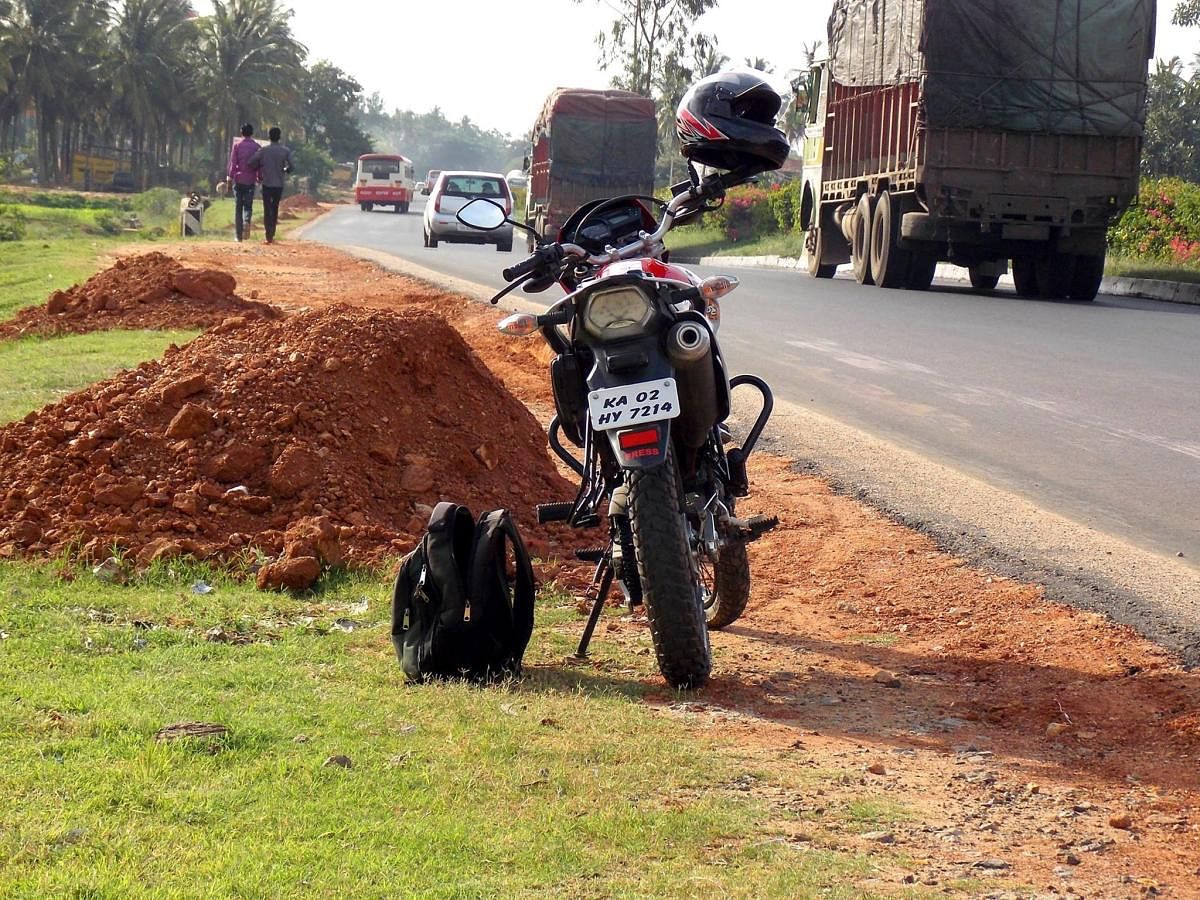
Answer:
(694, 241)
(31, 270)
(1120, 266)
(35, 371)
(563, 783)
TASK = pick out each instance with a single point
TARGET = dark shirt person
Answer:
(243, 178)
(273, 162)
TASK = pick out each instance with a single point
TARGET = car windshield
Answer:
(474, 186)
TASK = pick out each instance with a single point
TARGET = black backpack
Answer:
(455, 611)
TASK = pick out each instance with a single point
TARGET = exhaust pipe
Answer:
(687, 343)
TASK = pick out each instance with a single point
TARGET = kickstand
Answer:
(604, 574)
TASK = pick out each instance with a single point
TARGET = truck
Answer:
(588, 144)
(975, 132)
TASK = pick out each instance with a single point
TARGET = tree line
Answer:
(164, 87)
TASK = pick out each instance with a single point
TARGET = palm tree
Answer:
(252, 64)
(149, 74)
(52, 48)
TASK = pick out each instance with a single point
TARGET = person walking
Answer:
(243, 178)
(273, 162)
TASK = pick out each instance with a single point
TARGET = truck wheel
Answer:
(1055, 272)
(982, 282)
(815, 245)
(889, 264)
(860, 247)
(1089, 272)
(921, 269)
(370, 206)
(398, 208)
(1024, 276)
(364, 206)
(404, 207)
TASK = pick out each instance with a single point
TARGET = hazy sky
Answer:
(495, 61)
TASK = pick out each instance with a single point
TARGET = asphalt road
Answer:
(1090, 411)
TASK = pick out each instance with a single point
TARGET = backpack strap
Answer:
(449, 543)
(489, 569)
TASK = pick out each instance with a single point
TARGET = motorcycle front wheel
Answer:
(726, 582)
(670, 590)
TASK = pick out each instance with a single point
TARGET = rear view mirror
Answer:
(482, 214)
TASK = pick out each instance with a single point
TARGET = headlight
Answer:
(617, 312)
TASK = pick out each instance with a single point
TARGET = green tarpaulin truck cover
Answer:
(1054, 66)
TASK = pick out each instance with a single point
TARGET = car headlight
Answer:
(617, 312)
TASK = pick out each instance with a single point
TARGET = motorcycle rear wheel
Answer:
(670, 591)
(727, 580)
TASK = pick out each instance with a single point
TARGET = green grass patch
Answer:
(1124, 267)
(35, 371)
(562, 783)
(31, 270)
(693, 241)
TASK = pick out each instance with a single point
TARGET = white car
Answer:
(516, 178)
(451, 192)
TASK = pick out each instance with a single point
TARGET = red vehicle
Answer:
(384, 179)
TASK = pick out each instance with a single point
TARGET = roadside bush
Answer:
(785, 204)
(108, 222)
(1162, 224)
(12, 224)
(157, 203)
(746, 214)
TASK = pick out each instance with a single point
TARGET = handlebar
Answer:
(552, 254)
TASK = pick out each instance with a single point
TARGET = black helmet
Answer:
(727, 121)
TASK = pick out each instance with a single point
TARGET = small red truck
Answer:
(384, 179)
(975, 132)
(588, 144)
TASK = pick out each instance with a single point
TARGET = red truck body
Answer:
(588, 144)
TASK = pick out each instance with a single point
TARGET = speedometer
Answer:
(616, 312)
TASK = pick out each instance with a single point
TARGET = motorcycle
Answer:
(641, 389)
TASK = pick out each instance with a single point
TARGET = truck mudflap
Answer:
(999, 238)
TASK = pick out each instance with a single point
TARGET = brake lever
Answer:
(510, 287)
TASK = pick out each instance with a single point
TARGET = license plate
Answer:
(632, 404)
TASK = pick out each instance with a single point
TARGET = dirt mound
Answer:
(325, 436)
(147, 291)
(298, 203)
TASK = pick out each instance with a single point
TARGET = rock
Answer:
(385, 453)
(417, 479)
(57, 304)
(122, 494)
(209, 285)
(1056, 729)
(487, 455)
(340, 762)
(217, 635)
(1070, 859)
(161, 549)
(237, 463)
(879, 837)
(1122, 821)
(294, 470)
(295, 574)
(877, 768)
(887, 679)
(992, 865)
(191, 421)
(111, 570)
(190, 730)
(187, 503)
(181, 388)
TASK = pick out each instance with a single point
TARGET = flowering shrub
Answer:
(1162, 224)
(785, 204)
(746, 214)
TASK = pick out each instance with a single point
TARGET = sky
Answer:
(496, 61)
